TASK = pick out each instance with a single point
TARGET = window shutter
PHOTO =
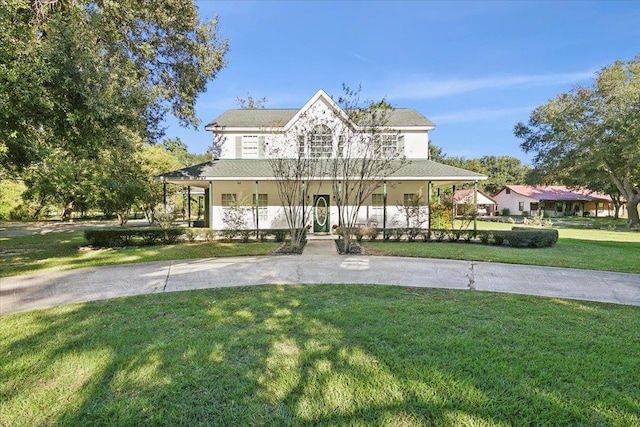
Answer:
(401, 145)
(238, 147)
(261, 147)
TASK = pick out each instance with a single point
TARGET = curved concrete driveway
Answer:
(318, 264)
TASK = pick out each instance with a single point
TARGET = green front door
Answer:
(321, 214)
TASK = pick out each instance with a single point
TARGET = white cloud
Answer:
(428, 87)
(477, 115)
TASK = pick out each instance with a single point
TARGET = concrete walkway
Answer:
(320, 263)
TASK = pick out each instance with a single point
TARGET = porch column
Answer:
(453, 208)
(189, 205)
(475, 203)
(164, 192)
(257, 209)
(210, 205)
(439, 216)
(384, 208)
(429, 206)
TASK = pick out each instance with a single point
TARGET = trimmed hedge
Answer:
(118, 237)
(521, 237)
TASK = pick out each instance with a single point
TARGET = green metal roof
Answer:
(400, 117)
(239, 169)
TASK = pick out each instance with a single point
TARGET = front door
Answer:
(321, 214)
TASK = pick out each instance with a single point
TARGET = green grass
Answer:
(322, 355)
(576, 248)
(59, 251)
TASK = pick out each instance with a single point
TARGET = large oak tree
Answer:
(74, 73)
(593, 130)
(83, 81)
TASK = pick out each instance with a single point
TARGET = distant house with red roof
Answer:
(553, 201)
(486, 205)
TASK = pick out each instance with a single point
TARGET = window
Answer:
(320, 142)
(559, 207)
(410, 199)
(263, 210)
(520, 206)
(389, 145)
(228, 199)
(508, 191)
(377, 207)
(250, 147)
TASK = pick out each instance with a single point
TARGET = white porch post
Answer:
(210, 209)
(257, 209)
(384, 208)
(475, 203)
(429, 184)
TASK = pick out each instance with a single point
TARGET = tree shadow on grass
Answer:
(321, 355)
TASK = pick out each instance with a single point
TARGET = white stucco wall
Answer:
(511, 202)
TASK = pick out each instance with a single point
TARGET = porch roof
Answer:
(260, 170)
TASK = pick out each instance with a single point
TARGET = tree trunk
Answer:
(68, 209)
(632, 212)
(346, 239)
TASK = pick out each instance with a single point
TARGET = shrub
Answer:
(439, 234)
(524, 237)
(209, 235)
(245, 235)
(525, 213)
(412, 233)
(396, 233)
(280, 234)
(371, 232)
(263, 235)
(117, 237)
(192, 234)
(505, 212)
(485, 237)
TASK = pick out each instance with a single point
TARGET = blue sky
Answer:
(473, 68)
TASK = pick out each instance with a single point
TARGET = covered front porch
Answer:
(251, 186)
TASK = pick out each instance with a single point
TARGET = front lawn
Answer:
(59, 251)
(322, 355)
(576, 248)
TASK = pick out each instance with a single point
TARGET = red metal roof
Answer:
(558, 192)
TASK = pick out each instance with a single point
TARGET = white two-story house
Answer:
(242, 172)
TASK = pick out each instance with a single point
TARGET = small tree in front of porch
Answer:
(369, 152)
(296, 171)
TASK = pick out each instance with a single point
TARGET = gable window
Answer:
(508, 191)
(320, 142)
(228, 199)
(250, 146)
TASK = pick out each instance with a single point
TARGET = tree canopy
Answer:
(591, 136)
(501, 170)
(75, 73)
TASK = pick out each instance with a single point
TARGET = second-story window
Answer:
(250, 147)
(320, 142)
(388, 145)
